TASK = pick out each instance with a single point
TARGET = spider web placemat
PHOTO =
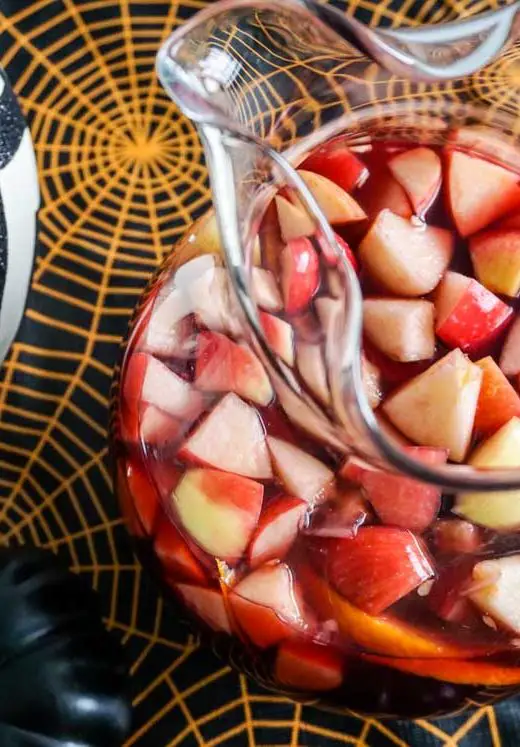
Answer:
(121, 180)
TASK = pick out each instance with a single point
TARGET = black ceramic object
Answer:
(62, 676)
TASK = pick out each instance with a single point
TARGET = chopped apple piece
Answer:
(144, 496)
(496, 260)
(231, 438)
(389, 431)
(330, 254)
(208, 604)
(225, 366)
(456, 537)
(158, 427)
(469, 316)
(341, 516)
(509, 223)
(266, 605)
(371, 382)
(447, 596)
(337, 205)
(211, 301)
(510, 358)
(168, 330)
(307, 328)
(312, 369)
(479, 191)
(218, 510)
(497, 590)
(300, 274)
(302, 474)
(338, 163)
(205, 239)
(308, 666)
(498, 402)
(419, 172)
(277, 529)
(279, 334)
(377, 567)
(383, 191)
(402, 329)
(294, 220)
(408, 259)
(175, 555)
(150, 381)
(329, 311)
(437, 408)
(488, 143)
(384, 634)
(265, 290)
(497, 510)
(397, 500)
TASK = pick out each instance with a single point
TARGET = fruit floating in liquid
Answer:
(336, 579)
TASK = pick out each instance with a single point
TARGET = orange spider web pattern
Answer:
(122, 178)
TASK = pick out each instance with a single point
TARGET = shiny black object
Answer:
(62, 675)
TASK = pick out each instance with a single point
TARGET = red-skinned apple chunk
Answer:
(300, 274)
(175, 555)
(302, 474)
(479, 191)
(231, 438)
(383, 191)
(456, 537)
(378, 566)
(510, 357)
(279, 334)
(496, 260)
(437, 408)
(339, 164)
(469, 316)
(267, 605)
(150, 381)
(498, 510)
(403, 329)
(226, 366)
(277, 529)
(397, 500)
(218, 510)
(308, 666)
(208, 604)
(407, 258)
(337, 205)
(419, 172)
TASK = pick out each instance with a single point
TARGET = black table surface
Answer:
(105, 136)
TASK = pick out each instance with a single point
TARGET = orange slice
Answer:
(456, 671)
(382, 634)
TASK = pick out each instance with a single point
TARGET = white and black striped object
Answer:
(19, 202)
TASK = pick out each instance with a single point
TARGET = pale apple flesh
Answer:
(406, 258)
(495, 510)
(437, 408)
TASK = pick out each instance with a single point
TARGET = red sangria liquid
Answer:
(334, 580)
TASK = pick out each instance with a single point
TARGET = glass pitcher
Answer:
(335, 507)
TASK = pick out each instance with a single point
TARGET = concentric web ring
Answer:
(121, 180)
